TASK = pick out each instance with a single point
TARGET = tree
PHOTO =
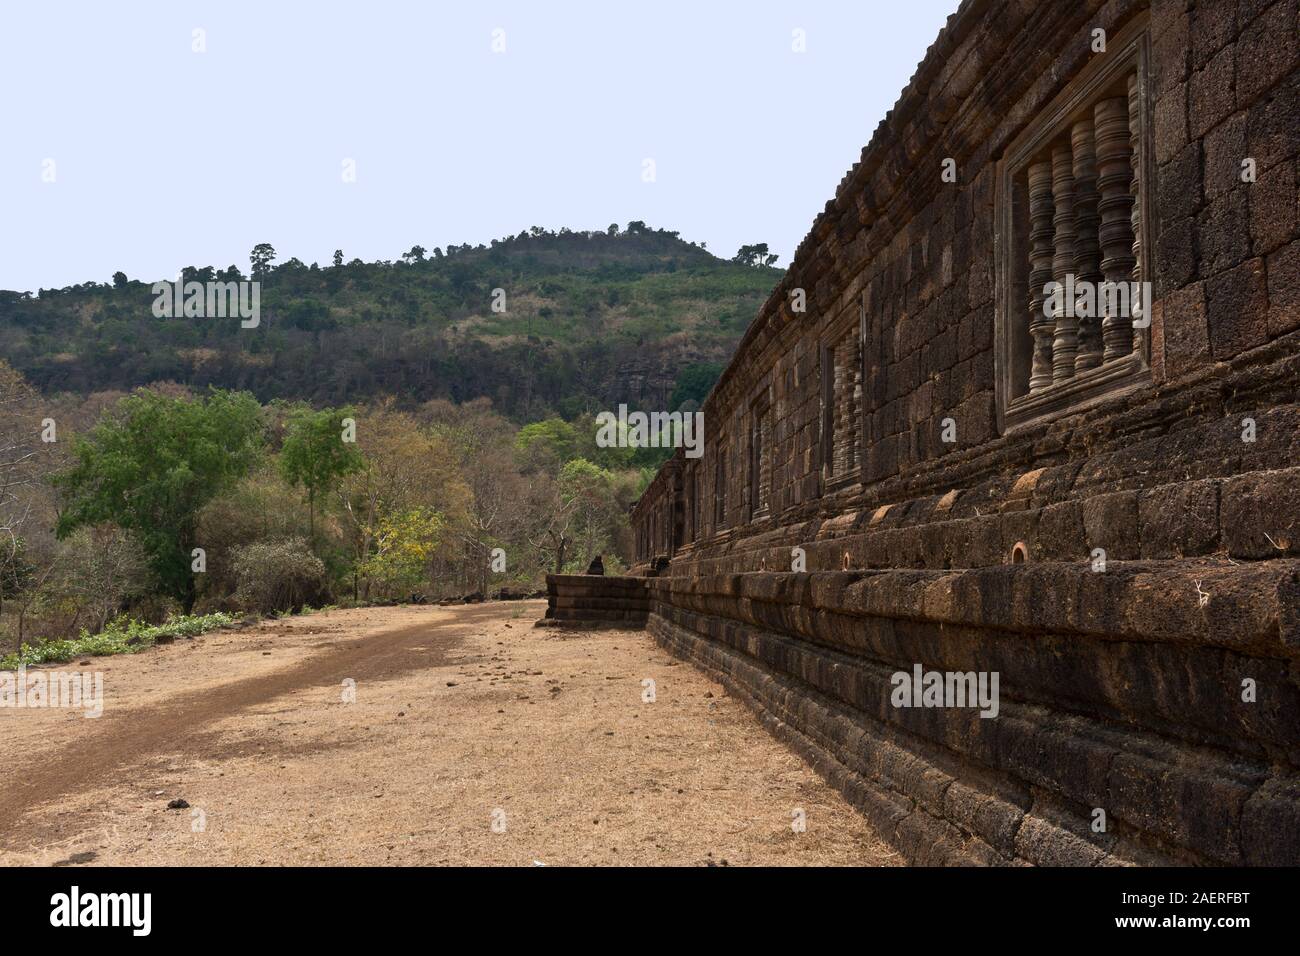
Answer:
(484, 445)
(27, 508)
(315, 454)
(588, 491)
(261, 257)
(120, 280)
(416, 254)
(261, 507)
(278, 575)
(338, 258)
(16, 570)
(18, 471)
(693, 384)
(99, 569)
(755, 255)
(404, 467)
(40, 564)
(494, 518)
(548, 444)
(551, 516)
(405, 543)
(151, 465)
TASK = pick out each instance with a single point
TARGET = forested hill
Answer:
(590, 319)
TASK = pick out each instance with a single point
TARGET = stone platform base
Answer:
(595, 601)
(1121, 737)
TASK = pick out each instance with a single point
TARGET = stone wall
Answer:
(1156, 528)
(595, 601)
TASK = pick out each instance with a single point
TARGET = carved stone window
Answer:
(760, 469)
(1074, 242)
(692, 504)
(720, 487)
(842, 403)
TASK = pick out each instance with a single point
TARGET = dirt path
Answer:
(412, 736)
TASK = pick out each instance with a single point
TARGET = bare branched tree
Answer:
(19, 447)
(551, 514)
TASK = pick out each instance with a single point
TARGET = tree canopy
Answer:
(152, 466)
(317, 452)
(755, 255)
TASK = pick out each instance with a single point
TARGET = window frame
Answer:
(760, 407)
(1128, 51)
(720, 478)
(835, 334)
(690, 491)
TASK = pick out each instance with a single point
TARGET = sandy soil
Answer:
(473, 738)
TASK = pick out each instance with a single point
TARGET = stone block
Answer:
(1223, 233)
(1179, 520)
(1273, 209)
(1237, 309)
(1111, 524)
(1211, 94)
(1186, 332)
(1260, 515)
(1283, 269)
(1267, 51)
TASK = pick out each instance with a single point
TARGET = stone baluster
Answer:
(1065, 344)
(1087, 251)
(1135, 160)
(839, 420)
(1116, 232)
(1041, 326)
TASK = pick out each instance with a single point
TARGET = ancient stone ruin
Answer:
(922, 469)
(595, 601)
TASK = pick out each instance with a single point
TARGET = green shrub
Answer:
(277, 575)
(119, 637)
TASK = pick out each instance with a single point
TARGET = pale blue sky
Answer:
(164, 157)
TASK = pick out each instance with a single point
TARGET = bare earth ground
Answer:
(463, 718)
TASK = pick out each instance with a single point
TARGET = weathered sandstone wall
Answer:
(1121, 681)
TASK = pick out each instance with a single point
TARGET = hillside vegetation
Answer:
(382, 434)
(590, 319)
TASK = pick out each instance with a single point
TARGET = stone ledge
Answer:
(603, 582)
(1247, 607)
(1188, 695)
(915, 803)
(595, 601)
